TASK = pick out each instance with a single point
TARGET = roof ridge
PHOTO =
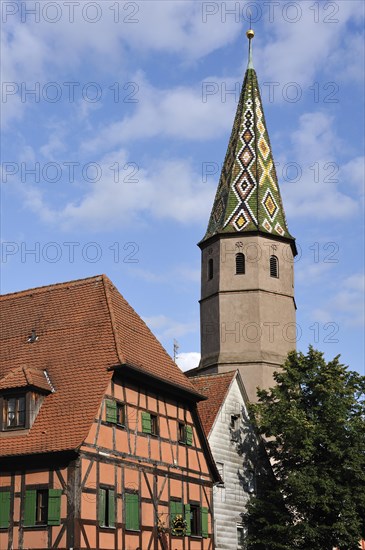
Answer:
(214, 374)
(45, 288)
(106, 284)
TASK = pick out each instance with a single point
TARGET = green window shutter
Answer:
(204, 516)
(111, 411)
(54, 506)
(131, 512)
(173, 512)
(111, 518)
(30, 508)
(189, 435)
(146, 423)
(102, 503)
(188, 519)
(4, 509)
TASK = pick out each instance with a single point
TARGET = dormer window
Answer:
(22, 392)
(14, 412)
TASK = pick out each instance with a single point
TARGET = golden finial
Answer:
(250, 34)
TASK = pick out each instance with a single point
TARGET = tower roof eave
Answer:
(235, 235)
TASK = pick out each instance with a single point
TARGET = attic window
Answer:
(14, 412)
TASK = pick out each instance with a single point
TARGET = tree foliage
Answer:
(313, 427)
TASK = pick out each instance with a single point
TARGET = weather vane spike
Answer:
(250, 34)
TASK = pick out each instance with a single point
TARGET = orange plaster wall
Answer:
(132, 541)
(91, 536)
(3, 540)
(118, 392)
(165, 492)
(88, 506)
(147, 514)
(194, 492)
(131, 478)
(173, 429)
(107, 540)
(16, 509)
(37, 478)
(171, 410)
(164, 432)
(142, 446)
(166, 452)
(155, 449)
(91, 435)
(35, 539)
(132, 418)
(145, 493)
(192, 459)
(121, 441)
(175, 488)
(131, 395)
(105, 437)
(152, 404)
(106, 474)
(177, 543)
(5, 481)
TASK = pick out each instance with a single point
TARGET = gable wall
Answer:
(229, 502)
(157, 468)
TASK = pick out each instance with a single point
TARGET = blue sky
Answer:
(116, 118)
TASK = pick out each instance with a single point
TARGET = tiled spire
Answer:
(248, 196)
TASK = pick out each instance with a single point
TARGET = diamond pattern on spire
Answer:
(248, 196)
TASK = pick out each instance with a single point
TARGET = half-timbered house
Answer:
(101, 446)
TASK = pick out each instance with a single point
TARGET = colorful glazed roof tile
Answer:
(84, 329)
(248, 196)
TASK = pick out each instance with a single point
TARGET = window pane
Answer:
(42, 507)
(11, 412)
(21, 411)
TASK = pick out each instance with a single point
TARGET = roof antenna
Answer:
(33, 337)
(250, 34)
(176, 347)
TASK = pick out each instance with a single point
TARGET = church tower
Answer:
(247, 306)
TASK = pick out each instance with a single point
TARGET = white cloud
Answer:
(316, 41)
(353, 172)
(319, 192)
(42, 51)
(166, 190)
(179, 113)
(166, 328)
(176, 275)
(346, 306)
(188, 360)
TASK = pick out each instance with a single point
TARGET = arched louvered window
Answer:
(274, 267)
(210, 268)
(240, 264)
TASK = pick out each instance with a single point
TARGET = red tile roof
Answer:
(215, 387)
(22, 377)
(84, 328)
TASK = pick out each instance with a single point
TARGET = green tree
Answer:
(312, 424)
